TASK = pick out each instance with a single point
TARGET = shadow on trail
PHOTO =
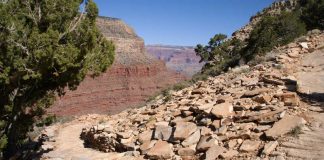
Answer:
(316, 99)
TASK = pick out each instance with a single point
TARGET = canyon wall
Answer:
(177, 58)
(132, 78)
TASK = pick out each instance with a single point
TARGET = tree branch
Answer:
(31, 14)
(74, 24)
(24, 48)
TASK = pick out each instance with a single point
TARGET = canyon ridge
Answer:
(129, 82)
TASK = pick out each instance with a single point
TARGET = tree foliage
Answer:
(312, 13)
(220, 53)
(273, 31)
(45, 46)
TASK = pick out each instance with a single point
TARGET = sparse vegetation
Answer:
(166, 92)
(48, 120)
(273, 31)
(295, 132)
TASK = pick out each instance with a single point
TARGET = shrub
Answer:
(273, 31)
(312, 13)
(295, 132)
(48, 120)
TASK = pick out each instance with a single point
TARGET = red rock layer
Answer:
(118, 89)
(131, 80)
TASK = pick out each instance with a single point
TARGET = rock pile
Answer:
(238, 115)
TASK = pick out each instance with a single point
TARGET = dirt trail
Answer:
(69, 146)
(311, 75)
(310, 144)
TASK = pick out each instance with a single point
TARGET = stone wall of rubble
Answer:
(243, 114)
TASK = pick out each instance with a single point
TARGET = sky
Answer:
(182, 22)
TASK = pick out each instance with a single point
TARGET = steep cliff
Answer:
(177, 58)
(133, 78)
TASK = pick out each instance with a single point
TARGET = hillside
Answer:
(177, 58)
(262, 99)
(131, 80)
(249, 112)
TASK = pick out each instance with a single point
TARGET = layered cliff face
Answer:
(177, 58)
(133, 78)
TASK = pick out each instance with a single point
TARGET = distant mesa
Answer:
(181, 59)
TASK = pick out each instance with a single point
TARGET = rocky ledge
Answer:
(243, 114)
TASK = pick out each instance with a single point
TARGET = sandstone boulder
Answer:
(192, 139)
(293, 52)
(222, 110)
(304, 45)
(161, 150)
(145, 136)
(213, 152)
(250, 146)
(289, 99)
(184, 129)
(263, 99)
(146, 146)
(163, 132)
(205, 143)
(269, 147)
(186, 152)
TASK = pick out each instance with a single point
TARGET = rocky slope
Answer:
(248, 113)
(133, 77)
(177, 58)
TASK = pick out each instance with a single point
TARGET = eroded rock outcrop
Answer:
(133, 77)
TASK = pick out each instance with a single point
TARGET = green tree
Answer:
(312, 13)
(213, 49)
(273, 31)
(219, 54)
(45, 46)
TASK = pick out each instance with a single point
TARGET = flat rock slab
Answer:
(269, 147)
(222, 110)
(284, 126)
(250, 146)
